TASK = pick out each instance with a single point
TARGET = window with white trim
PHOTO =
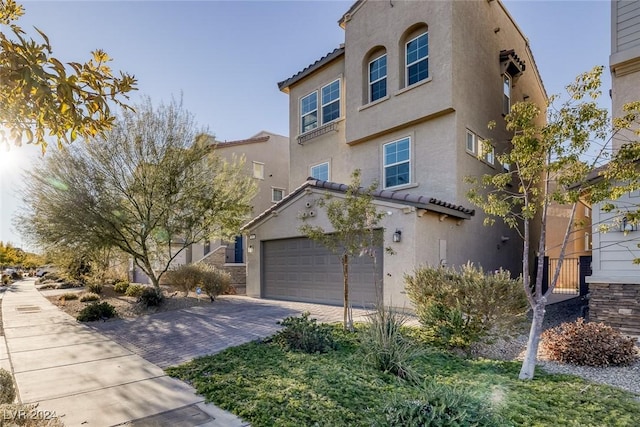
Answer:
(471, 142)
(488, 153)
(587, 211)
(320, 171)
(397, 163)
(378, 78)
(309, 112)
(417, 59)
(587, 241)
(506, 93)
(331, 101)
(277, 194)
(258, 170)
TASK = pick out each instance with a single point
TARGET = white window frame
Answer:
(385, 166)
(273, 193)
(258, 170)
(338, 100)
(371, 83)
(487, 152)
(587, 241)
(587, 211)
(406, 58)
(506, 93)
(303, 115)
(474, 139)
(319, 165)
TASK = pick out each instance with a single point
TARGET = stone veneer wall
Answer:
(617, 305)
(238, 272)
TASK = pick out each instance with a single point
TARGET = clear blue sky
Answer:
(225, 57)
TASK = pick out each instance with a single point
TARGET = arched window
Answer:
(375, 75)
(414, 48)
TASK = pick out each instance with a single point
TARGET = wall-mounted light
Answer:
(397, 236)
(252, 236)
(626, 226)
(250, 249)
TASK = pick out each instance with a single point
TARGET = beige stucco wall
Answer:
(383, 24)
(330, 146)
(286, 225)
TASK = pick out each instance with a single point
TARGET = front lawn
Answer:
(266, 385)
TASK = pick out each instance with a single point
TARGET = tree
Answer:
(9, 255)
(354, 220)
(542, 154)
(150, 187)
(40, 96)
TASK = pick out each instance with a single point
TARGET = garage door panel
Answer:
(301, 269)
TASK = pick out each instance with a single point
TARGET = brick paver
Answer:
(175, 337)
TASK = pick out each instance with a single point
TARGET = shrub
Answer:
(440, 405)
(215, 282)
(68, 296)
(302, 333)
(121, 287)
(135, 290)
(185, 277)
(94, 286)
(97, 311)
(89, 296)
(591, 344)
(7, 389)
(460, 308)
(6, 279)
(384, 345)
(151, 297)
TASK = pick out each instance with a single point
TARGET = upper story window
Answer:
(378, 78)
(397, 163)
(258, 170)
(309, 112)
(331, 102)
(506, 93)
(277, 194)
(488, 152)
(471, 142)
(320, 172)
(417, 59)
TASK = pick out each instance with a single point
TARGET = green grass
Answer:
(266, 385)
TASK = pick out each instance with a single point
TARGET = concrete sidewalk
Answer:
(86, 378)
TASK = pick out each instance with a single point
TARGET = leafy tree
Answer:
(41, 96)
(9, 255)
(354, 220)
(545, 153)
(150, 187)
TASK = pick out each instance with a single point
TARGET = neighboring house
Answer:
(407, 99)
(614, 286)
(577, 256)
(266, 157)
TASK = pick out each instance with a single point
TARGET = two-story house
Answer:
(407, 100)
(614, 286)
(266, 159)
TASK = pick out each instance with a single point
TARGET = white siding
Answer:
(627, 21)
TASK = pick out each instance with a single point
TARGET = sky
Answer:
(224, 58)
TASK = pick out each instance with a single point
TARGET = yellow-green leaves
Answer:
(40, 96)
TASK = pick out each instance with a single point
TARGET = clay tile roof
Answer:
(420, 202)
(221, 144)
(283, 85)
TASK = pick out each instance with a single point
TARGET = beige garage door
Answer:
(301, 269)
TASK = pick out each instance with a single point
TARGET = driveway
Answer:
(174, 337)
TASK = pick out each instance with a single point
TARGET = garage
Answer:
(301, 269)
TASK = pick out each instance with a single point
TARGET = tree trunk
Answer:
(527, 370)
(345, 277)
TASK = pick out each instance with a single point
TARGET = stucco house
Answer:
(407, 100)
(614, 286)
(266, 157)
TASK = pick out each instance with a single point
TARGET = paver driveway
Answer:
(175, 337)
